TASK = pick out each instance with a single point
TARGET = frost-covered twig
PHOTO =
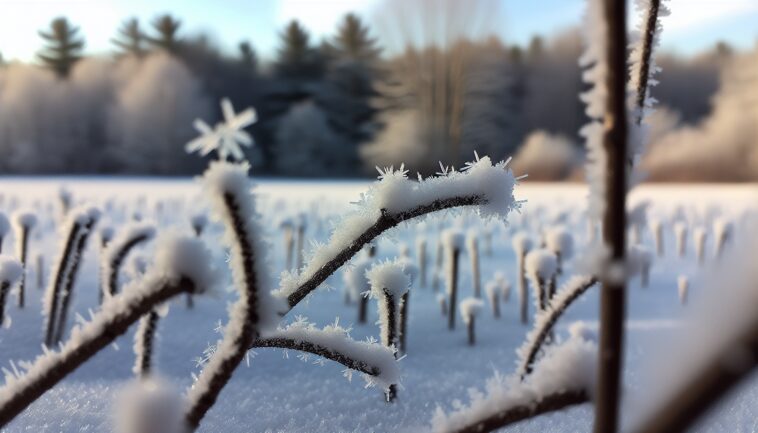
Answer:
(23, 223)
(472, 247)
(228, 188)
(643, 67)
(92, 214)
(72, 228)
(144, 341)
(396, 199)
(335, 344)
(356, 281)
(453, 240)
(117, 250)
(181, 266)
(563, 378)
(546, 319)
(541, 266)
(470, 308)
(10, 272)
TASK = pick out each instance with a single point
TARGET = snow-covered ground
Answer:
(287, 392)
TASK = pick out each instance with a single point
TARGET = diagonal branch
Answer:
(385, 222)
(546, 320)
(547, 404)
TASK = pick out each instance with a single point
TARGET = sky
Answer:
(694, 25)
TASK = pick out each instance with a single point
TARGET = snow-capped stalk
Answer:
(470, 308)
(545, 321)
(422, 259)
(73, 227)
(680, 231)
(492, 289)
(5, 227)
(389, 283)
(10, 271)
(657, 229)
(683, 286)
(357, 283)
(612, 57)
(301, 223)
(472, 246)
(198, 222)
(521, 246)
(700, 236)
(68, 287)
(23, 222)
(227, 186)
(144, 340)
(453, 241)
(541, 266)
(722, 232)
(40, 271)
(117, 251)
(442, 300)
(396, 199)
(289, 242)
(181, 266)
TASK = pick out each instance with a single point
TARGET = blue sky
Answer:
(693, 25)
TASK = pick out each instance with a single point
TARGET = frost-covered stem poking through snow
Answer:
(117, 250)
(470, 308)
(545, 321)
(23, 222)
(73, 227)
(453, 241)
(707, 385)
(403, 329)
(144, 341)
(40, 271)
(228, 188)
(4, 229)
(680, 231)
(10, 271)
(181, 266)
(389, 282)
(422, 260)
(301, 224)
(472, 246)
(657, 228)
(612, 46)
(700, 236)
(521, 246)
(541, 266)
(722, 232)
(396, 199)
(289, 242)
(93, 214)
(492, 289)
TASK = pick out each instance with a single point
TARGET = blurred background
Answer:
(341, 86)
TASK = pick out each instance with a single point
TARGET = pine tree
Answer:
(166, 26)
(63, 48)
(248, 58)
(297, 59)
(130, 38)
(349, 83)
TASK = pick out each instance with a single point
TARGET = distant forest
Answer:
(335, 107)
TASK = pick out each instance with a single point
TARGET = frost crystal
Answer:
(227, 136)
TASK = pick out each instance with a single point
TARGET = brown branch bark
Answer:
(115, 265)
(648, 35)
(613, 294)
(58, 280)
(316, 349)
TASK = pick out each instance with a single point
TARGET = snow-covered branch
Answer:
(641, 59)
(181, 267)
(334, 343)
(563, 378)
(396, 199)
(117, 250)
(228, 188)
(546, 319)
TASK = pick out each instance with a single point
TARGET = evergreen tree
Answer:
(130, 38)
(248, 58)
(353, 42)
(63, 47)
(166, 27)
(297, 59)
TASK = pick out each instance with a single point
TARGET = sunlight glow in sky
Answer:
(694, 24)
